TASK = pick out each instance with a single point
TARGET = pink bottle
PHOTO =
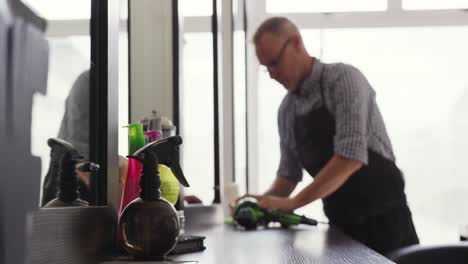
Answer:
(131, 189)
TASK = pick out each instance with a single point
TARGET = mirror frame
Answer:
(104, 100)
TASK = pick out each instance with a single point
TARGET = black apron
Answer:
(371, 205)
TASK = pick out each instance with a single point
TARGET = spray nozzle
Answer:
(62, 149)
(165, 151)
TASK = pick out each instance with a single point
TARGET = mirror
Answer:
(42, 75)
(63, 112)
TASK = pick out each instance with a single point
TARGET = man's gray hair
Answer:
(278, 26)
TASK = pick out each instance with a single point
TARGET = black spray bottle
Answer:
(67, 158)
(149, 227)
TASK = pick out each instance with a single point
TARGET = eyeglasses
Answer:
(274, 63)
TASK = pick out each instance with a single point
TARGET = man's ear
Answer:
(296, 41)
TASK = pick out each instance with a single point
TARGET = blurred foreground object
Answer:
(71, 235)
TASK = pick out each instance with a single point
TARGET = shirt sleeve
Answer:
(353, 95)
(75, 122)
(289, 165)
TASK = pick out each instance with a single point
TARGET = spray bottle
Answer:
(149, 227)
(69, 161)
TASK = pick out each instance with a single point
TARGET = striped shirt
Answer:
(350, 99)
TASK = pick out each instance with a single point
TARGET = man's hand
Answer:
(192, 199)
(274, 202)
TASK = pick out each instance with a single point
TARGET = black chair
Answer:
(437, 254)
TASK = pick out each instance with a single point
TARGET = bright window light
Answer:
(196, 7)
(197, 115)
(240, 101)
(318, 6)
(420, 78)
(61, 9)
(434, 4)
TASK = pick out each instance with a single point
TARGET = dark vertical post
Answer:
(214, 23)
(98, 99)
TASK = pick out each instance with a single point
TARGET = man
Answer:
(330, 125)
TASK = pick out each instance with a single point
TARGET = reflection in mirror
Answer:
(64, 111)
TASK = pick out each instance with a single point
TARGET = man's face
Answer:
(277, 56)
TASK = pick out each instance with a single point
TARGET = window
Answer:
(434, 4)
(123, 93)
(197, 7)
(240, 102)
(123, 82)
(304, 6)
(61, 9)
(197, 114)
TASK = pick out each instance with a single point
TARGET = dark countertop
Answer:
(302, 244)
(53, 239)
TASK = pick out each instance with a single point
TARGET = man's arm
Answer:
(330, 178)
(282, 187)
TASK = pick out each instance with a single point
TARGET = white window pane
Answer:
(123, 94)
(301, 6)
(196, 7)
(235, 6)
(434, 4)
(240, 100)
(61, 9)
(124, 9)
(312, 39)
(270, 94)
(197, 115)
(420, 78)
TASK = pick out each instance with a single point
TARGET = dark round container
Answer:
(149, 229)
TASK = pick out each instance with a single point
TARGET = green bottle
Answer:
(136, 138)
